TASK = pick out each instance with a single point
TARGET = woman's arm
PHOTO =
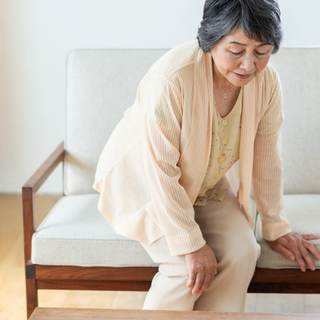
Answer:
(267, 185)
(268, 190)
(161, 120)
(267, 163)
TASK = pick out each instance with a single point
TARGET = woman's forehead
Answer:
(238, 37)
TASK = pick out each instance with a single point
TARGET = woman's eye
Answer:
(236, 53)
(261, 53)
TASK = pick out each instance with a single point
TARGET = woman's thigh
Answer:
(226, 229)
(228, 233)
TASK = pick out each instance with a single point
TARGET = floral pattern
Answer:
(224, 153)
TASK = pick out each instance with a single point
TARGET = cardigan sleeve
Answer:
(272, 117)
(161, 120)
(267, 168)
(267, 185)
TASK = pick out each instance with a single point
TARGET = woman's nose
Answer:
(248, 63)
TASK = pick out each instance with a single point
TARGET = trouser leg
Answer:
(168, 288)
(228, 233)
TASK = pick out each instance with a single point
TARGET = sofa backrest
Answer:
(102, 84)
(299, 71)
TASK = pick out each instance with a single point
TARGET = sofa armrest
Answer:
(29, 190)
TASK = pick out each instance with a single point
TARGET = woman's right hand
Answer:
(202, 265)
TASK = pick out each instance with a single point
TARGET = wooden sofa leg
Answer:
(32, 296)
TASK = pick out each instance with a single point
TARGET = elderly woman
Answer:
(205, 107)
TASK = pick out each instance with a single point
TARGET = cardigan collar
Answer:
(248, 125)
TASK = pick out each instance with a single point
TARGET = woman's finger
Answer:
(300, 261)
(306, 255)
(191, 279)
(206, 283)
(295, 250)
(285, 252)
(312, 249)
(310, 236)
(198, 284)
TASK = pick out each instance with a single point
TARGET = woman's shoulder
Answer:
(176, 60)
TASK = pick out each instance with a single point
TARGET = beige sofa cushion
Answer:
(75, 233)
(303, 212)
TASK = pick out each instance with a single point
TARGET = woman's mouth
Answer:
(243, 76)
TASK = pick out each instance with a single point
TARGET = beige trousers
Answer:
(228, 233)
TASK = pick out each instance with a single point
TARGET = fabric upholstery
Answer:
(75, 233)
(303, 213)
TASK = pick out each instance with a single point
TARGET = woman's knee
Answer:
(243, 251)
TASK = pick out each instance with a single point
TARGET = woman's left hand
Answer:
(295, 246)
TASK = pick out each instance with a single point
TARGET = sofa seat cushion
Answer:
(303, 213)
(75, 233)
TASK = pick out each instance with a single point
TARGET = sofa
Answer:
(76, 248)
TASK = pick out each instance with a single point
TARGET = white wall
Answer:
(36, 35)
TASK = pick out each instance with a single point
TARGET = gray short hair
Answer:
(258, 19)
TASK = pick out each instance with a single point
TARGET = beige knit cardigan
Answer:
(152, 167)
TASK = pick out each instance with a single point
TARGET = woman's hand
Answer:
(202, 265)
(295, 246)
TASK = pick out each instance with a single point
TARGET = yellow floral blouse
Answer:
(224, 153)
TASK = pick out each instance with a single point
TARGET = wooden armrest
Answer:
(29, 190)
(41, 175)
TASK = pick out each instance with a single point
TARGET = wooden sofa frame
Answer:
(125, 278)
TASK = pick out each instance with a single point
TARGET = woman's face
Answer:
(239, 59)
